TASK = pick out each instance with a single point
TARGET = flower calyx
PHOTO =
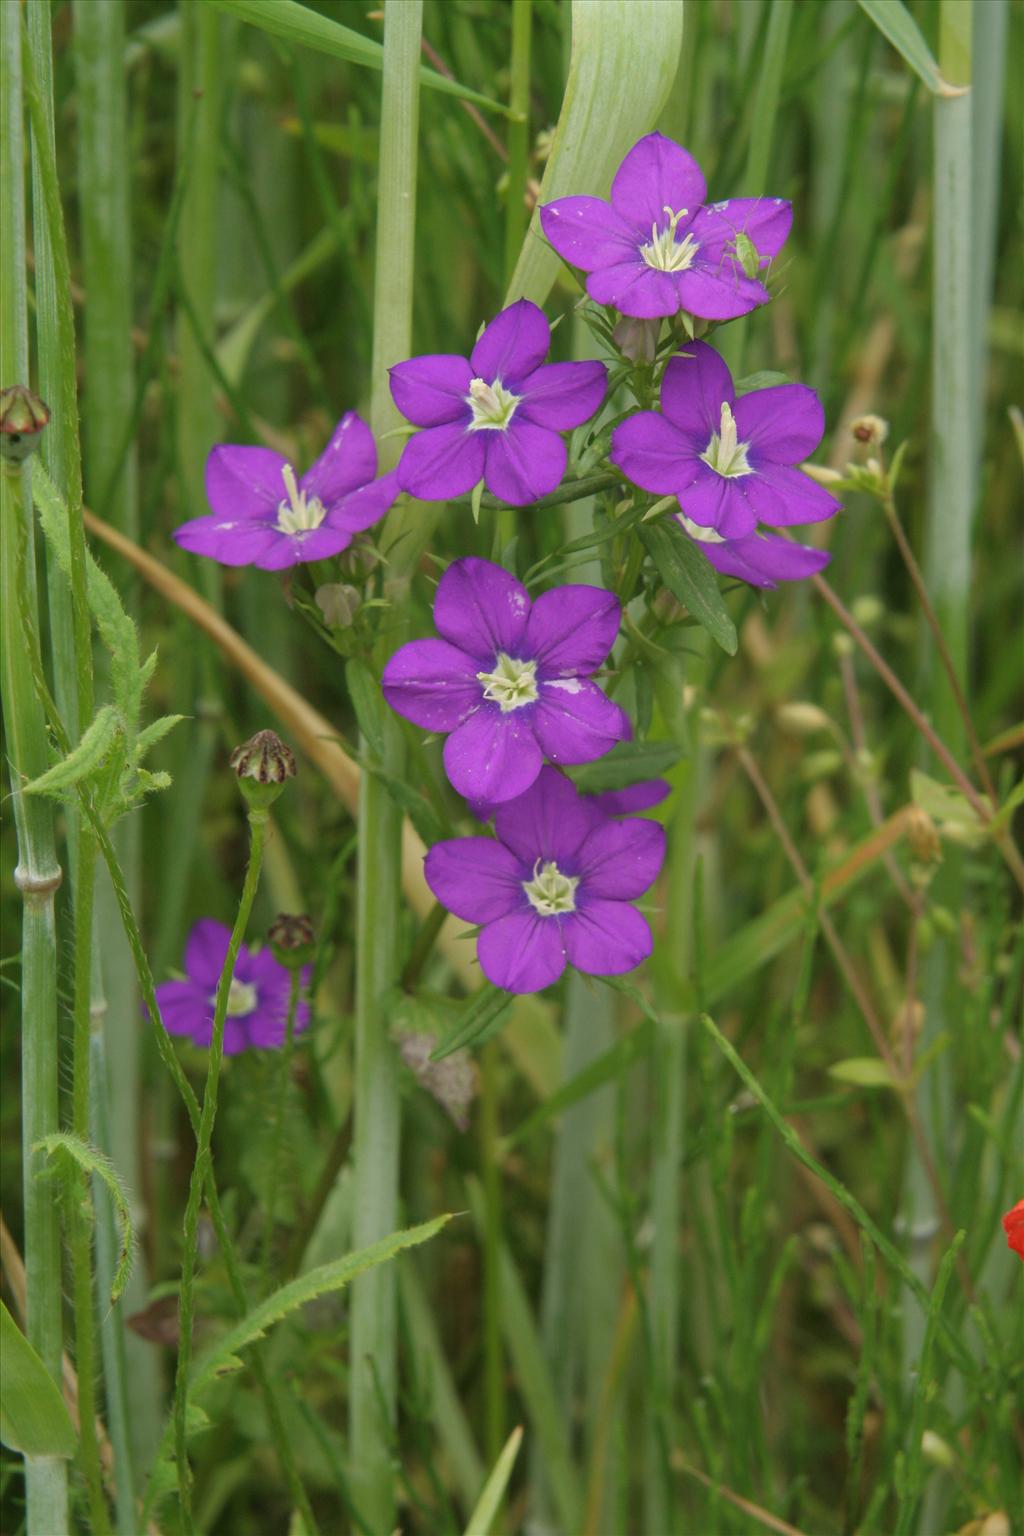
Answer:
(263, 764)
(292, 940)
(22, 419)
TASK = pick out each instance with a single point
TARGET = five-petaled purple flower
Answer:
(265, 515)
(657, 248)
(553, 886)
(510, 679)
(730, 463)
(257, 1003)
(496, 415)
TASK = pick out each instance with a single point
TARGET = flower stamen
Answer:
(551, 893)
(243, 998)
(665, 253)
(298, 513)
(493, 405)
(724, 454)
(512, 684)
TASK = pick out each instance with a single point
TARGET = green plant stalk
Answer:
(377, 1119)
(202, 1166)
(284, 1073)
(518, 137)
(490, 1168)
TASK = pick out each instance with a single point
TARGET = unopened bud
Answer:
(870, 430)
(339, 603)
(937, 1451)
(263, 764)
(909, 1020)
(292, 940)
(637, 339)
(922, 837)
(22, 418)
(867, 610)
(360, 559)
(802, 719)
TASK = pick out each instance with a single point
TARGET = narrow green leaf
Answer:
(631, 762)
(479, 1523)
(864, 1071)
(95, 1163)
(368, 703)
(33, 1417)
(485, 1014)
(607, 1067)
(83, 760)
(147, 739)
(766, 378)
(691, 579)
(896, 24)
(306, 28)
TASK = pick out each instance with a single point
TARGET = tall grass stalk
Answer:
(373, 1385)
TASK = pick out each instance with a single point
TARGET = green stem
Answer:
(573, 490)
(201, 1168)
(494, 1358)
(377, 1127)
(284, 1071)
(518, 133)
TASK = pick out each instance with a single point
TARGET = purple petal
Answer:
(654, 454)
(563, 395)
(588, 233)
(696, 385)
(606, 938)
(366, 506)
(481, 609)
(432, 391)
(522, 952)
(244, 482)
(795, 497)
(718, 502)
(765, 220)
(718, 291)
(432, 683)
(784, 423)
(291, 549)
(620, 859)
(514, 344)
(441, 461)
(635, 289)
(655, 175)
(184, 1007)
(493, 756)
(634, 797)
(764, 559)
(230, 541)
(549, 821)
(523, 463)
(571, 629)
(475, 877)
(206, 950)
(576, 723)
(348, 461)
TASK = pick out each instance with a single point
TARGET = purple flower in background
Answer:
(657, 248)
(554, 886)
(496, 415)
(633, 798)
(730, 463)
(258, 1002)
(265, 515)
(510, 679)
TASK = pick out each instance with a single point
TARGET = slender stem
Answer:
(423, 945)
(518, 133)
(377, 1125)
(201, 1168)
(284, 1072)
(860, 744)
(490, 1168)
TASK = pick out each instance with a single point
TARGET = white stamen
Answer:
(724, 454)
(242, 998)
(512, 684)
(493, 405)
(665, 253)
(298, 513)
(550, 892)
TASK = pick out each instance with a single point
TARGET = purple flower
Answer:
(553, 886)
(658, 248)
(634, 797)
(496, 415)
(510, 679)
(730, 463)
(258, 1002)
(265, 515)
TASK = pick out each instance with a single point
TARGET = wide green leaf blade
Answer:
(33, 1417)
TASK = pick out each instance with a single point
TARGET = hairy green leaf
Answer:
(83, 760)
(95, 1163)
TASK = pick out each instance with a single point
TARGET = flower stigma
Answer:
(242, 998)
(298, 513)
(550, 892)
(512, 684)
(493, 405)
(665, 253)
(724, 454)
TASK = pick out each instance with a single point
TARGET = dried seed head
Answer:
(922, 837)
(263, 764)
(292, 940)
(22, 418)
(870, 430)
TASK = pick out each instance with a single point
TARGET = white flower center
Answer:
(723, 453)
(298, 513)
(550, 892)
(512, 684)
(242, 998)
(493, 405)
(696, 531)
(665, 252)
